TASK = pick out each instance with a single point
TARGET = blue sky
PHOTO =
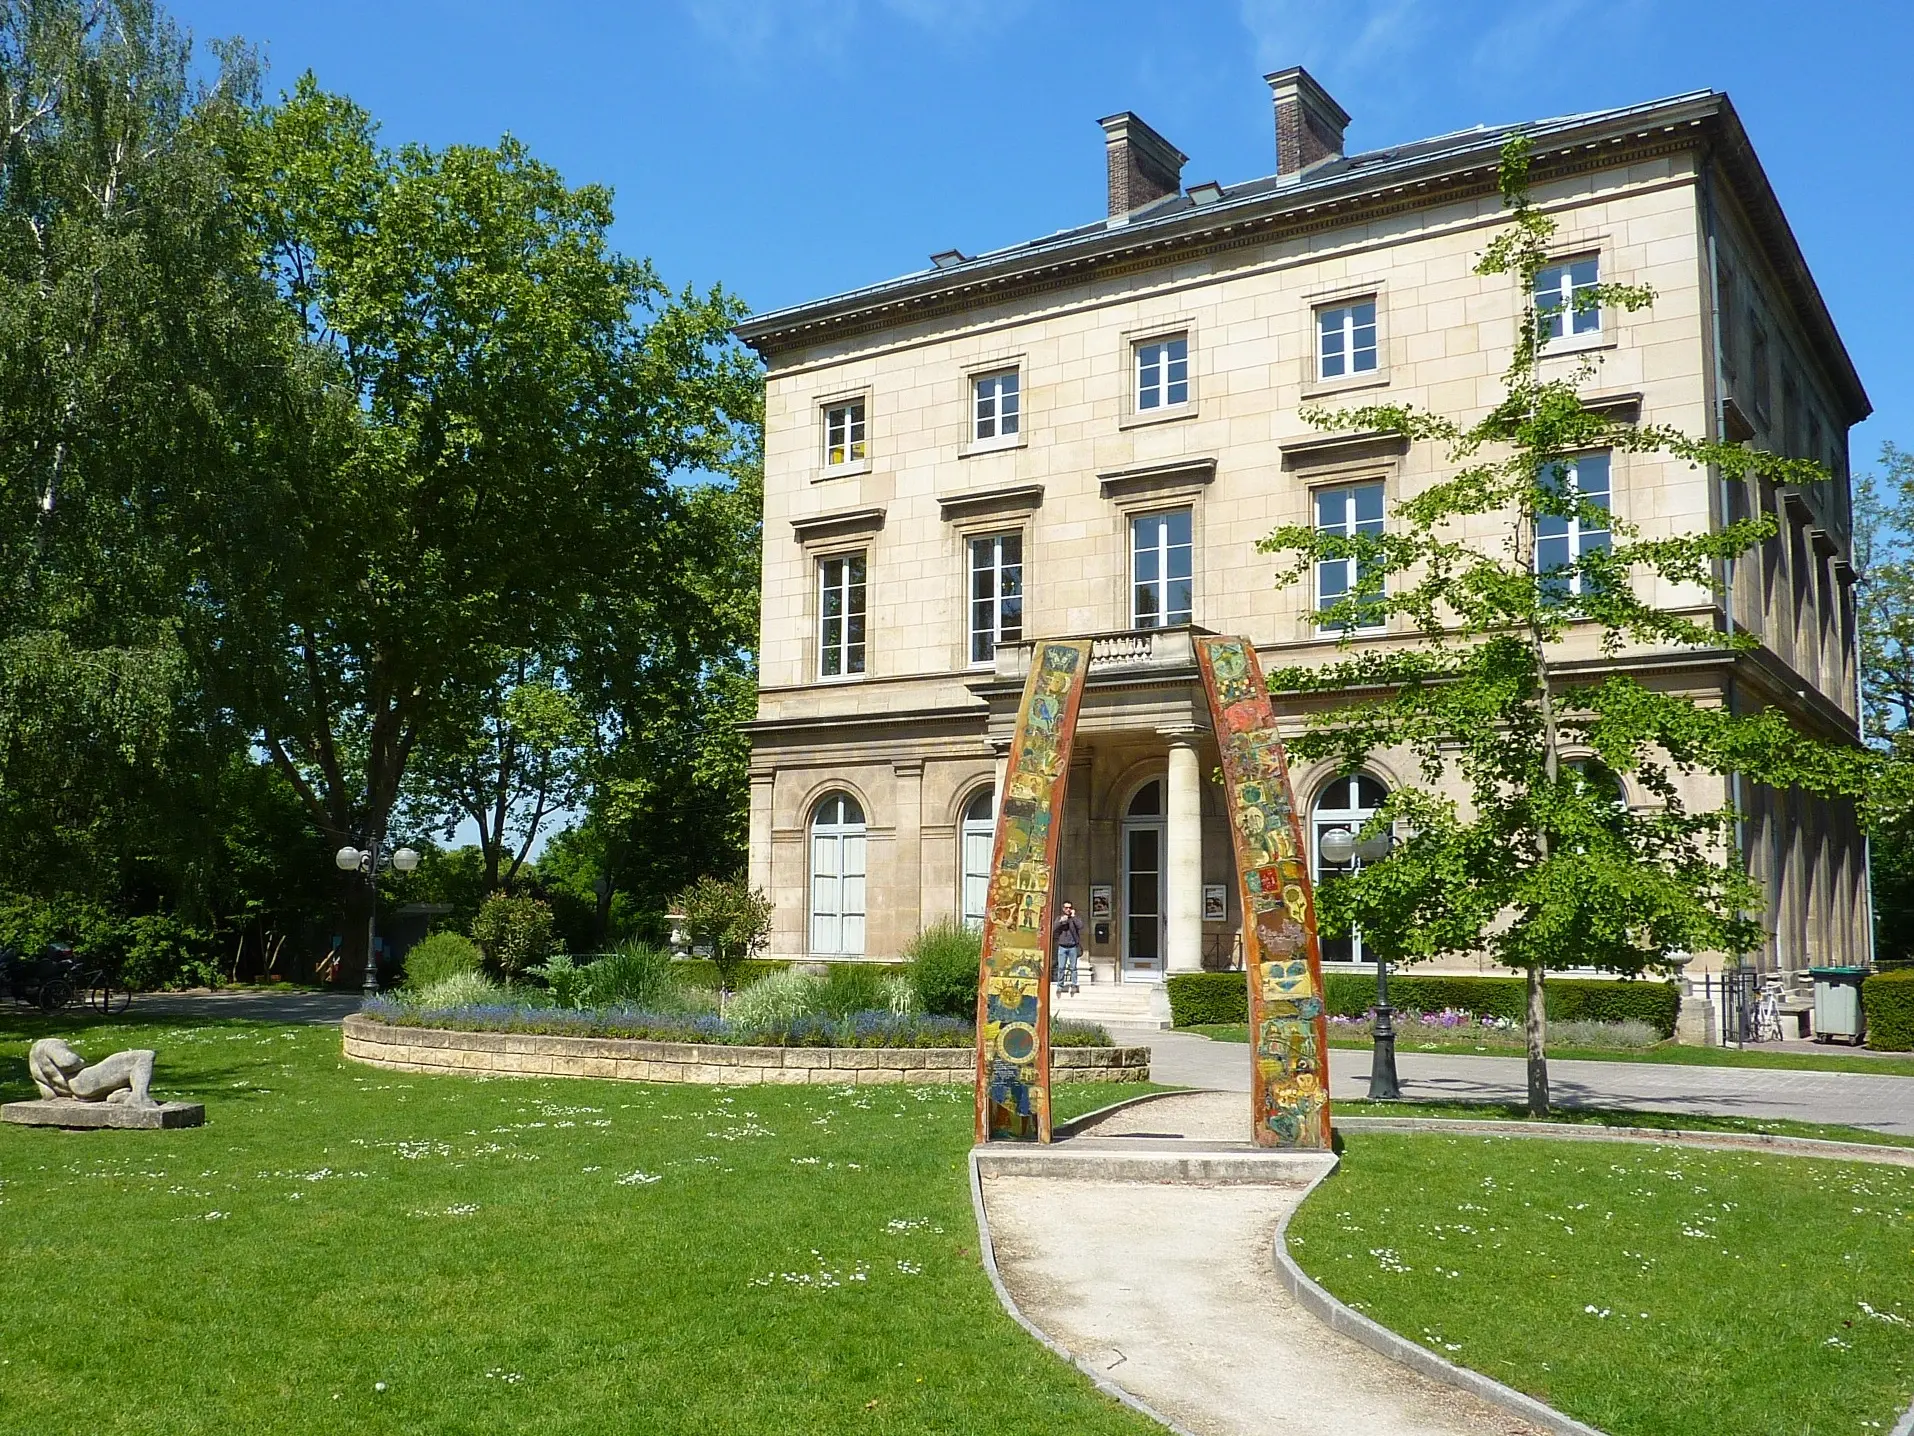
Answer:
(792, 148)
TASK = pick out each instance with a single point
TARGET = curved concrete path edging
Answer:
(987, 1250)
(1817, 1147)
(1378, 1338)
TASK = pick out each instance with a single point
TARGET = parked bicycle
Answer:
(57, 979)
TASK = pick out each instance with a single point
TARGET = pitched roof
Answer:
(1337, 187)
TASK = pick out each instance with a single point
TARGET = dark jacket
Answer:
(1067, 931)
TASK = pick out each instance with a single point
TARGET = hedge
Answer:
(1206, 997)
(1888, 998)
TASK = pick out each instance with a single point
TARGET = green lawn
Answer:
(1625, 1117)
(522, 1256)
(1672, 1052)
(1649, 1291)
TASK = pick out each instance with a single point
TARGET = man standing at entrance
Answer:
(1066, 937)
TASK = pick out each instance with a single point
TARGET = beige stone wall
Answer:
(911, 736)
(511, 1054)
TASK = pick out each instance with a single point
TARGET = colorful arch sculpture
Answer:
(1289, 1080)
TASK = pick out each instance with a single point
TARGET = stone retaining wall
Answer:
(518, 1054)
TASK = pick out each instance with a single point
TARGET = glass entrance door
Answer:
(1143, 901)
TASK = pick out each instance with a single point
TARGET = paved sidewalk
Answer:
(1852, 1099)
(312, 1007)
(1170, 1290)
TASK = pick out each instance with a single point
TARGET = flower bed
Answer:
(861, 1029)
(518, 1052)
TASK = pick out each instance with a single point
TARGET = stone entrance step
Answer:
(1118, 1004)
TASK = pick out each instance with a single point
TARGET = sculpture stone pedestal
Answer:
(66, 1112)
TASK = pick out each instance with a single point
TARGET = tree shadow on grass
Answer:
(203, 1079)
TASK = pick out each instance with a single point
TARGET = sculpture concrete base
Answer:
(66, 1112)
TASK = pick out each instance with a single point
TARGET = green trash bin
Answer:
(1837, 1004)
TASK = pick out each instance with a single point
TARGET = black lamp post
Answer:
(368, 861)
(1341, 847)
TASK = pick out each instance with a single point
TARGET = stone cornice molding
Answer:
(1151, 481)
(844, 524)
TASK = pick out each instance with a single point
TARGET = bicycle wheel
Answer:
(108, 998)
(55, 993)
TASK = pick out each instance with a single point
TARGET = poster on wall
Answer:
(1215, 902)
(1102, 900)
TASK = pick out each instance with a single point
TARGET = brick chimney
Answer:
(1144, 166)
(1309, 124)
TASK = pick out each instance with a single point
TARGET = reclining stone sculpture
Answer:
(125, 1078)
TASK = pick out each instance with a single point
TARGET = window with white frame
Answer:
(979, 835)
(1564, 302)
(840, 615)
(1346, 340)
(996, 593)
(995, 407)
(837, 877)
(844, 433)
(1347, 510)
(1162, 373)
(1563, 541)
(1162, 591)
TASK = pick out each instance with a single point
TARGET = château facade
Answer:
(1088, 433)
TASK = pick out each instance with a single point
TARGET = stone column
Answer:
(905, 914)
(1183, 856)
(1002, 749)
(762, 876)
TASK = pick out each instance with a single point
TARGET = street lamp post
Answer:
(1340, 846)
(367, 861)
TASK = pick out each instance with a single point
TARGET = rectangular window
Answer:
(995, 407)
(840, 609)
(1349, 510)
(1562, 542)
(1760, 377)
(996, 594)
(1161, 590)
(1346, 340)
(844, 433)
(1163, 373)
(1563, 299)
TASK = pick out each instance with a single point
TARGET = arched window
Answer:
(837, 876)
(978, 834)
(1346, 803)
(1148, 802)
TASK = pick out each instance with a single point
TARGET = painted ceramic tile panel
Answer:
(1289, 1079)
(1013, 999)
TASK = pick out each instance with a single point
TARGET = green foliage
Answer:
(145, 951)
(1541, 866)
(851, 987)
(776, 1000)
(636, 975)
(702, 972)
(731, 918)
(1069, 1033)
(1888, 999)
(1202, 998)
(438, 956)
(514, 931)
(945, 959)
(567, 983)
(457, 989)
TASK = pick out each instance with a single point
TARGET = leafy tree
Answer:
(512, 400)
(510, 768)
(1884, 614)
(729, 916)
(1541, 867)
(515, 931)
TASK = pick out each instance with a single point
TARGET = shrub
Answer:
(637, 975)
(852, 987)
(944, 960)
(515, 931)
(1888, 1000)
(565, 981)
(460, 989)
(703, 972)
(1213, 997)
(730, 917)
(1079, 1034)
(776, 1001)
(442, 955)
